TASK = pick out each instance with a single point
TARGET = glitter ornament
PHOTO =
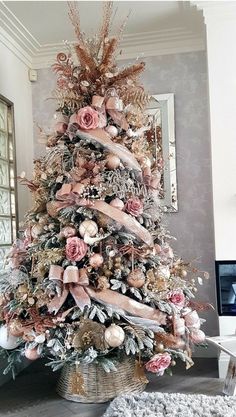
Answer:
(36, 230)
(117, 203)
(136, 278)
(32, 354)
(7, 340)
(163, 272)
(88, 227)
(96, 260)
(114, 335)
(15, 328)
(112, 161)
(112, 130)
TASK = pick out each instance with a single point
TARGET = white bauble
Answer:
(7, 341)
(89, 227)
(112, 130)
(114, 335)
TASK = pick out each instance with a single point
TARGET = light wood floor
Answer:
(32, 394)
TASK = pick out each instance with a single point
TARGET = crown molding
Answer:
(134, 46)
(15, 36)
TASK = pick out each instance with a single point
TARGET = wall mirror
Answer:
(160, 111)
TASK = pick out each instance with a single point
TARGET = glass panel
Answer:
(4, 202)
(5, 231)
(4, 177)
(3, 116)
(3, 252)
(3, 145)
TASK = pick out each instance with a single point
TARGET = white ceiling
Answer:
(39, 26)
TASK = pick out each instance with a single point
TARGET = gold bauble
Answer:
(160, 347)
(136, 278)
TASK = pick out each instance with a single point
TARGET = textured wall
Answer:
(185, 75)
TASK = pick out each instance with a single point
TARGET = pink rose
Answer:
(159, 363)
(134, 206)
(76, 249)
(87, 118)
(177, 298)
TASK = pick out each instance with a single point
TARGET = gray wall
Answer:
(185, 75)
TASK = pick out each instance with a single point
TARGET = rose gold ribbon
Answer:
(74, 281)
(128, 304)
(68, 196)
(102, 137)
(114, 107)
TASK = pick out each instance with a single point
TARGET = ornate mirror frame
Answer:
(162, 120)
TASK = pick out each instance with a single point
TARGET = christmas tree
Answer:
(94, 277)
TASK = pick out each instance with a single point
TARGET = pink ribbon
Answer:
(76, 282)
(68, 195)
(114, 107)
(73, 281)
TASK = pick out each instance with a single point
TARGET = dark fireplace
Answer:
(226, 287)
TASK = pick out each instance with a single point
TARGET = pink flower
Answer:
(134, 206)
(87, 118)
(159, 363)
(177, 298)
(76, 249)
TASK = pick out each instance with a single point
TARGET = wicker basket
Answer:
(89, 383)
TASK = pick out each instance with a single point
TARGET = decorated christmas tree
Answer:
(94, 279)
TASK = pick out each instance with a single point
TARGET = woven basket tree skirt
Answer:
(89, 383)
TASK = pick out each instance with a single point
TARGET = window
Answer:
(8, 212)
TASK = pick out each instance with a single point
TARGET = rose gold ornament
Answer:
(114, 335)
(88, 227)
(192, 320)
(136, 278)
(15, 328)
(179, 326)
(117, 203)
(32, 354)
(68, 231)
(112, 130)
(96, 260)
(112, 161)
(197, 336)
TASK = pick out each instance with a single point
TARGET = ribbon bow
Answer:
(114, 107)
(74, 281)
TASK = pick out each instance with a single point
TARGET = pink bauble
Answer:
(192, 320)
(112, 130)
(68, 231)
(96, 260)
(36, 230)
(60, 128)
(31, 354)
(112, 161)
(179, 326)
(136, 278)
(117, 203)
(197, 336)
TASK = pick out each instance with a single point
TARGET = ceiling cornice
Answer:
(35, 55)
